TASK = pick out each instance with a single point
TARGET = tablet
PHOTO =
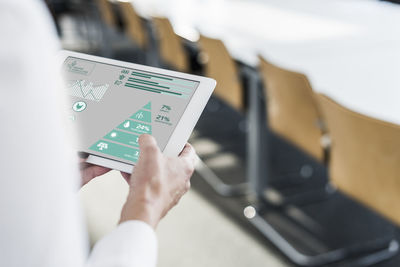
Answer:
(111, 103)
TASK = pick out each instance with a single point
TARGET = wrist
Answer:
(141, 210)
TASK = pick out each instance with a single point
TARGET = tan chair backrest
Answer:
(365, 157)
(133, 24)
(291, 108)
(106, 12)
(220, 66)
(171, 47)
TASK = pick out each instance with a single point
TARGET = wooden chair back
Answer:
(292, 110)
(220, 66)
(365, 157)
(107, 12)
(133, 24)
(171, 48)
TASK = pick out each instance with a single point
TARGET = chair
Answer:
(364, 166)
(218, 64)
(228, 104)
(127, 45)
(111, 38)
(133, 24)
(291, 108)
(294, 155)
(365, 158)
(107, 13)
(171, 48)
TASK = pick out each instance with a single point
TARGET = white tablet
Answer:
(111, 103)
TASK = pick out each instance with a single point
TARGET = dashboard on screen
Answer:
(110, 106)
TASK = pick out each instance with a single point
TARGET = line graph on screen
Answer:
(87, 90)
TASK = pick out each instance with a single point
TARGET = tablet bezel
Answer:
(185, 125)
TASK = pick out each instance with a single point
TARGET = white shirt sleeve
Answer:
(41, 223)
(132, 243)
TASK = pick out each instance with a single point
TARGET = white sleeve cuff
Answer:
(131, 244)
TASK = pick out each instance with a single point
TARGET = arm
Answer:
(156, 185)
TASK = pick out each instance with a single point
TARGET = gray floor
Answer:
(193, 234)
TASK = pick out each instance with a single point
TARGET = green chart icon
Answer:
(122, 141)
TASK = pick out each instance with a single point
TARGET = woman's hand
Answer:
(157, 183)
(90, 171)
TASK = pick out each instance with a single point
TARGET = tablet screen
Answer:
(110, 106)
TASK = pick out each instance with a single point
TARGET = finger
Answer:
(126, 176)
(187, 186)
(94, 171)
(82, 161)
(148, 146)
(84, 165)
(189, 153)
(147, 140)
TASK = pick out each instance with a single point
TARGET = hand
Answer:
(90, 171)
(157, 183)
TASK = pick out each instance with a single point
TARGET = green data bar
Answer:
(135, 127)
(141, 75)
(123, 138)
(182, 82)
(142, 115)
(151, 75)
(143, 81)
(155, 90)
(145, 89)
(116, 150)
(147, 83)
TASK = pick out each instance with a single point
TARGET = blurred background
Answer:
(300, 142)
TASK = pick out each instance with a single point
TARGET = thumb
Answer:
(148, 146)
(146, 139)
(148, 158)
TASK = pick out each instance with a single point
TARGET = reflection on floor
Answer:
(193, 234)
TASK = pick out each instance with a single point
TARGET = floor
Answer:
(193, 234)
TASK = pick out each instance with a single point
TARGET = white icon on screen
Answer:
(127, 124)
(102, 146)
(139, 116)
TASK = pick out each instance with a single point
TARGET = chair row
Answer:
(169, 46)
(360, 153)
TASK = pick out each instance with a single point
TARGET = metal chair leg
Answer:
(217, 184)
(322, 259)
